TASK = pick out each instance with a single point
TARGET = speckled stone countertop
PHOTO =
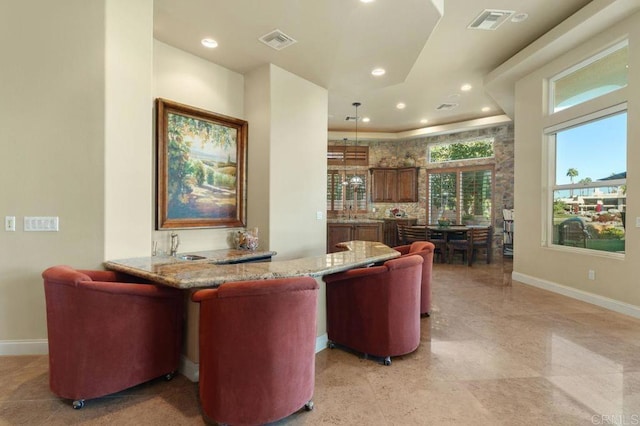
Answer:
(353, 220)
(215, 269)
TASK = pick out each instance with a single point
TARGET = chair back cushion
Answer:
(257, 349)
(376, 310)
(108, 336)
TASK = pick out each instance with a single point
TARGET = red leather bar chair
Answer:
(257, 349)
(376, 310)
(107, 334)
(425, 249)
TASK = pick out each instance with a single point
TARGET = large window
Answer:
(347, 179)
(589, 181)
(343, 197)
(464, 150)
(461, 195)
(587, 153)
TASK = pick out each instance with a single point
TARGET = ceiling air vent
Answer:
(490, 19)
(446, 107)
(277, 40)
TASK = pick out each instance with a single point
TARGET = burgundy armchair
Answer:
(257, 349)
(376, 310)
(107, 334)
(424, 249)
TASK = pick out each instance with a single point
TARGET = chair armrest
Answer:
(105, 276)
(132, 289)
(253, 288)
(355, 273)
(403, 249)
(204, 294)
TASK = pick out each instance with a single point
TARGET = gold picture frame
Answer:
(201, 168)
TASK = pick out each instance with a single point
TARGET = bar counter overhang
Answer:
(229, 265)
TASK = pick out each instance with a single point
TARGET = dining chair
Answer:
(478, 238)
(411, 233)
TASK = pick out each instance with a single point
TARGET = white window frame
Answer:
(578, 66)
(463, 141)
(550, 152)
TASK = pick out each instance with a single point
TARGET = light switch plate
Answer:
(319, 215)
(41, 223)
(637, 222)
(10, 223)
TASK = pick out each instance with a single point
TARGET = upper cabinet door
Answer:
(383, 185)
(407, 185)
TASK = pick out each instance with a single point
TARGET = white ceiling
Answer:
(427, 55)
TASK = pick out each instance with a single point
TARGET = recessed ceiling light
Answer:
(366, 1)
(366, 119)
(465, 87)
(209, 42)
(424, 121)
(519, 17)
(378, 72)
(485, 109)
(400, 105)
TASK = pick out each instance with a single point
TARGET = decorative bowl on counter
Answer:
(444, 222)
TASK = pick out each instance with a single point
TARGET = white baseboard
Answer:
(321, 342)
(595, 299)
(24, 347)
(191, 370)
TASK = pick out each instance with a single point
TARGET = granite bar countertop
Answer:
(353, 220)
(216, 268)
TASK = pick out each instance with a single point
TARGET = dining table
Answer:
(449, 233)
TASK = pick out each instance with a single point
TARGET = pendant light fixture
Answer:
(356, 180)
(344, 182)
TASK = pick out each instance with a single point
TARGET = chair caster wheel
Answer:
(331, 345)
(78, 404)
(169, 376)
(387, 361)
(309, 406)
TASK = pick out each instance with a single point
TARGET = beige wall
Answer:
(298, 166)
(565, 270)
(182, 77)
(286, 183)
(52, 138)
(128, 152)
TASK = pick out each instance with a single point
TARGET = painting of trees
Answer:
(201, 167)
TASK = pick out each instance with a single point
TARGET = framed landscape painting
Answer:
(201, 168)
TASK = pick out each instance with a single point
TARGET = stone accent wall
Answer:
(413, 152)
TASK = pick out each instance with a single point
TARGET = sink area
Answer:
(191, 257)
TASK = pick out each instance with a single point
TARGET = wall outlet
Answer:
(10, 223)
(591, 274)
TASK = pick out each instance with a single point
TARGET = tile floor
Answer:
(492, 353)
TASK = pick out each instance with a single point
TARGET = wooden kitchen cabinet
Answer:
(383, 185)
(391, 185)
(352, 231)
